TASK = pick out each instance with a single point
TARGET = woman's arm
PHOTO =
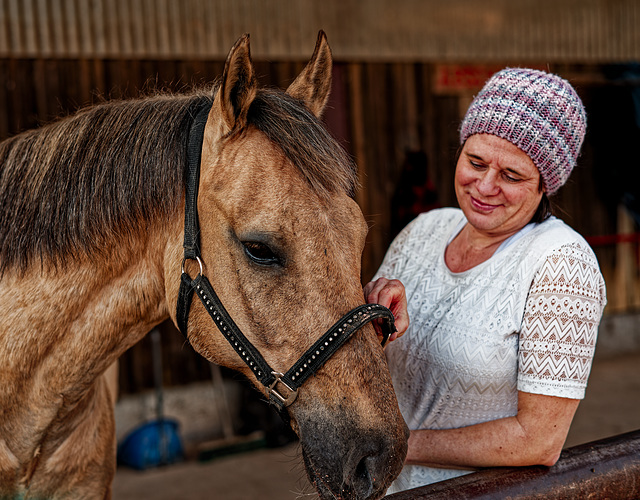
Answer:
(535, 436)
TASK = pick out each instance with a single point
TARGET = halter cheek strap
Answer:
(282, 387)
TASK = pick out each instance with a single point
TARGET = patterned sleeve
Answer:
(560, 323)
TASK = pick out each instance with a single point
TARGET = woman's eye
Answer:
(511, 178)
(260, 253)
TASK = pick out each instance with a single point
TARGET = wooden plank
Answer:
(162, 32)
(31, 32)
(45, 28)
(5, 46)
(379, 130)
(85, 29)
(72, 24)
(5, 129)
(355, 99)
(134, 27)
(14, 27)
(121, 27)
(427, 124)
(626, 270)
(98, 26)
(40, 74)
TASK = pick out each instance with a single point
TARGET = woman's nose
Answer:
(487, 184)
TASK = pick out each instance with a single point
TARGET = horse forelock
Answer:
(81, 185)
(305, 141)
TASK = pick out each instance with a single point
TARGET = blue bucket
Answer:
(151, 445)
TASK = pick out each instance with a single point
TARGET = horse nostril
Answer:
(361, 482)
(362, 471)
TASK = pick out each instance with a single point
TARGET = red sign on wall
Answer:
(465, 78)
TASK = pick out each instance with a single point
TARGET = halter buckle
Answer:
(284, 401)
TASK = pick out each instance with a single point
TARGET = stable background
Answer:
(404, 73)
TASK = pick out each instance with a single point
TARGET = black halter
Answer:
(314, 358)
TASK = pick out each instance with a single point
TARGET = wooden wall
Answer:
(584, 31)
(387, 114)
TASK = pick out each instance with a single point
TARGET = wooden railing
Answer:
(609, 468)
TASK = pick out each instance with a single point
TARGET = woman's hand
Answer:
(390, 294)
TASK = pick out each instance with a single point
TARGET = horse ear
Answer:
(313, 84)
(237, 90)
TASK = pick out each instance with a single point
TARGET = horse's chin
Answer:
(324, 490)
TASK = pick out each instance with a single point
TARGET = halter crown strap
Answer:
(316, 356)
(194, 153)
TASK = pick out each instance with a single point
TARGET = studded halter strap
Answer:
(282, 387)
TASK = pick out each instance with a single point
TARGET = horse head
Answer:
(281, 240)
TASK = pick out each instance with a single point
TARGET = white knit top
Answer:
(524, 320)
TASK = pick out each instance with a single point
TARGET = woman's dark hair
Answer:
(544, 211)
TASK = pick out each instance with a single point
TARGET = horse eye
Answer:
(260, 253)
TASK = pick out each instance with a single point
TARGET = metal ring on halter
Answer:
(193, 258)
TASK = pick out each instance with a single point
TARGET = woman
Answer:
(504, 299)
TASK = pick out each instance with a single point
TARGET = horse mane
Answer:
(74, 187)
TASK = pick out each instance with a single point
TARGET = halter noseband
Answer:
(311, 361)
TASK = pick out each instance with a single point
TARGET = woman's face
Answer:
(497, 185)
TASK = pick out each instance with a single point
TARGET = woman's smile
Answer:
(481, 206)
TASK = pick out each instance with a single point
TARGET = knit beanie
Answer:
(538, 112)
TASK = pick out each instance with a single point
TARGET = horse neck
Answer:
(61, 329)
(66, 326)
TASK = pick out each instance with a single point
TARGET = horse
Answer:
(92, 255)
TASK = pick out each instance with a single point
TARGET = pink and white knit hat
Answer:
(539, 112)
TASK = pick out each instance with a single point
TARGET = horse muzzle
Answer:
(346, 461)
